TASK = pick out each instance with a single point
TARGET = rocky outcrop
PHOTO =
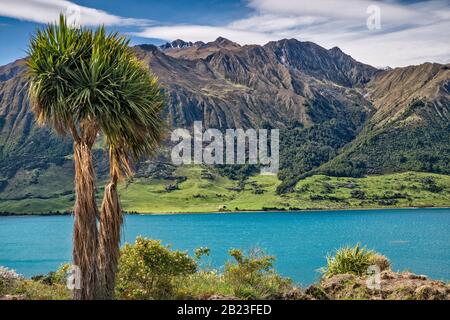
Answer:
(393, 286)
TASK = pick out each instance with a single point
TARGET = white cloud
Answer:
(204, 33)
(272, 23)
(348, 9)
(44, 11)
(406, 47)
(409, 34)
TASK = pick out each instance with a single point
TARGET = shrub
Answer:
(429, 184)
(37, 290)
(147, 270)
(381, 261)
(54, 277)
(353, 260)
(253, 276)
(203, 285)
(13, 284)
(358, 194)
(8, 280)
(202, 251)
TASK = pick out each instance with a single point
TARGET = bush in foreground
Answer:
(253, 276)
(250, 276)
(147, 270)
(39, 288)
(204, 284)
(55, 277)
(8, 280)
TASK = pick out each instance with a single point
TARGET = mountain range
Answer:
(337, 116)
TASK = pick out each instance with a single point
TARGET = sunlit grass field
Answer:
(51, 192)
(258, 193)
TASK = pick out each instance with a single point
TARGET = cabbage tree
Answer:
(85, 83)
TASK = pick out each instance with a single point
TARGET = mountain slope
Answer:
(22, 143)
(410, 129)
(227, 85)
(337, 115)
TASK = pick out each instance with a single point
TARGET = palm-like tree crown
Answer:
(83, 76)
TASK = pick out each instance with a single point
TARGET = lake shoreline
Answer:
(50, 214)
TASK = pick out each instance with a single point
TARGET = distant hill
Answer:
(337, 115)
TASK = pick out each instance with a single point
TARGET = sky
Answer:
(381, 33)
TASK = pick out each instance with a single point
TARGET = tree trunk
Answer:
(110, 227)
(85, 235)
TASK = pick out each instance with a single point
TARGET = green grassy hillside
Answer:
(204, 190)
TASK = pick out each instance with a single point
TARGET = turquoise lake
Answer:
(414, 239)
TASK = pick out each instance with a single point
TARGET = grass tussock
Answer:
(353, 260)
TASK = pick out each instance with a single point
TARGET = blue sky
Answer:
(402, 32)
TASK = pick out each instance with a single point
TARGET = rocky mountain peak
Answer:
(176, 44)
(223, 42)
(11, 70)
(147, 47)
(180, 44)
(335, 51)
